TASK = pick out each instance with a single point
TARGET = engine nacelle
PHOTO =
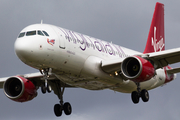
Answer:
(137, 69)
(19, 89)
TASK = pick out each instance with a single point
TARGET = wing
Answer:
(160, 60)
(164, 58)
(2, 80)
(110, 66)
(31, 76)
(37, 79)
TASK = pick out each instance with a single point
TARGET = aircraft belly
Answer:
(112, 83)
(93, 78)
(92, 83)
(87, 83)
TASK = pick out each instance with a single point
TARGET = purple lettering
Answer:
(78, 41)
(67, 37)
(98, 46)
(117, 50)
(102, 45)
(83, 42)
(109, 49)
(92, 45)
(74, 40)
(123, 54)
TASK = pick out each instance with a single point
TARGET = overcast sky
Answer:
(125, 23)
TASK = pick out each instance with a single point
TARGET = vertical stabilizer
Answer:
(156, 40)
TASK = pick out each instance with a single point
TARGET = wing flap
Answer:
(172, 71)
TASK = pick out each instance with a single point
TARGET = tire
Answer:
(135, 97)
(43, 89)
(67, 108)
(57, 110)
(145, 95)
(49, 89)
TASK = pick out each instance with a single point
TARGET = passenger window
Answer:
(45, 33)
(31, 33)
(40, 33)
(21, 35)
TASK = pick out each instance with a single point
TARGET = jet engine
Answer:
(137, 69)
(19, 89)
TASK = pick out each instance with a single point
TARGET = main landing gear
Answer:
(66, 107)
(135, 95)
(60, 87)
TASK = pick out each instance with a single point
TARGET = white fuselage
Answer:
(76, 58)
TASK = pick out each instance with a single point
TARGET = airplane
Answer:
(68, 59)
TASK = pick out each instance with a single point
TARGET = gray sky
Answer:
(125, 23)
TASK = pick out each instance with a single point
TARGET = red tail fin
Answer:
(156, 41)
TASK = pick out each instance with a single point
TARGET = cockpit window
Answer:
(21, 35)
(45, 33)
(29, 33)
(40, 33)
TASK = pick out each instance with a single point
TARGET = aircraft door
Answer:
(61, 40)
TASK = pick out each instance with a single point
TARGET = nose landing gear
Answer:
(45, 87)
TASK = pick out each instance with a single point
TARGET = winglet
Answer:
(156, 40)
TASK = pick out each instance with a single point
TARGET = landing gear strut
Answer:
(45, 87)
(135, 95)
(66, 107)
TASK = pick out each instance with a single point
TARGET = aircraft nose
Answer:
(23, 49)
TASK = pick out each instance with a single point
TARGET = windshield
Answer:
(40, 33)
(45, 33)
(34, 32)
(21, 34)
(31, 33)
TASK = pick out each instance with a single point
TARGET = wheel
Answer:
(57, 110)
(135, 97)
(49, 89)
(145, 95)
(43, 89)
(67, 108)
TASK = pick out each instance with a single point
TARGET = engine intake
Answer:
(137, 69)
(19, 89)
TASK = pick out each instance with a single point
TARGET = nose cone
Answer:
(30, 51)
(27, 51)
(22, 49)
